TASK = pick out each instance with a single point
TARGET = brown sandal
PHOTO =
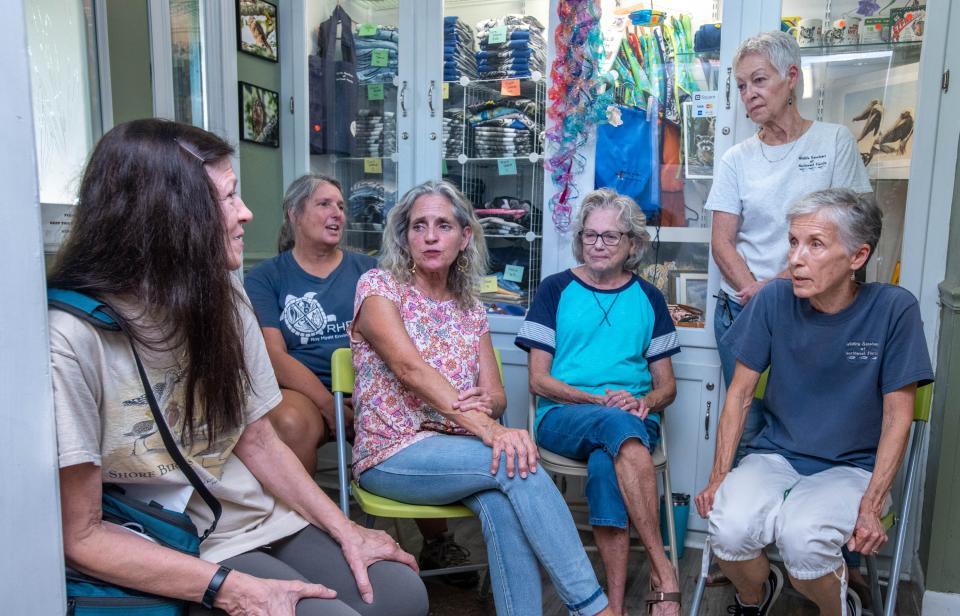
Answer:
(658, 596)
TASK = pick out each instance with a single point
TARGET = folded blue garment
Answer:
(371, 44)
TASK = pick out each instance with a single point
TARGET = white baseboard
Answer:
(940, 603)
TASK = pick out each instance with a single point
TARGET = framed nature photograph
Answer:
(259, 115)
(257, 29)
(697, 143)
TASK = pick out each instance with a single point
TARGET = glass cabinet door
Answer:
(494, 91)
(861, 63)
(354, 97)
(663, 66)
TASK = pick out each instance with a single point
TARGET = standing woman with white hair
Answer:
(757, 180)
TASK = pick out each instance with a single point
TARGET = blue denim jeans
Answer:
(595, 433)
(524, 521)
(725, 314)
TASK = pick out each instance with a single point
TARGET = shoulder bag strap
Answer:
(168, 441)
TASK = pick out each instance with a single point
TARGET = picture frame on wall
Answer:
(257, 29)
(259, 115)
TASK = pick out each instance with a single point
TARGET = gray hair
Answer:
(858, 219)
(629, 216)
(294, 199)
(395, 250)
(779, 48)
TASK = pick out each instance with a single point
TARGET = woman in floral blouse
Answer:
(428, 394)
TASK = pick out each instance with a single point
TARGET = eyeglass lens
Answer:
(609, 238)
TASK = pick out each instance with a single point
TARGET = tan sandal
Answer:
(658, 596)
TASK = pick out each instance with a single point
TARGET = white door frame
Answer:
(31, 574)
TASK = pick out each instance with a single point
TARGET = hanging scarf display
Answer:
(577, 101)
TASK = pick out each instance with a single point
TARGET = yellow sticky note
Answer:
(446, 90)
(372, 165)
(488, 284)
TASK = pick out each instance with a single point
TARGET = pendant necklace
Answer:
(605, 311)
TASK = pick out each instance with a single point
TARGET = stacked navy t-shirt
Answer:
(376, 133)
(504, 127)
(458, 50)
(523, 51)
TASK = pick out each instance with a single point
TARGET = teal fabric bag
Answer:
(88, 596)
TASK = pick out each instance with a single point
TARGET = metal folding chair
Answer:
(557, 464)
(900, 519)
(342, 380)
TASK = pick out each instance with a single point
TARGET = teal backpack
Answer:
(88, 596)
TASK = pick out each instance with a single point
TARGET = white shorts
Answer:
(810, 517)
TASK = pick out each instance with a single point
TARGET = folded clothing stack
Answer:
(510, 209)
(366, 205)
(385, 39)
(452, 133)
(376, 133)
(523, 51)
(459, 47)
(504, 128)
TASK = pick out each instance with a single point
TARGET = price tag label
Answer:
(513, 273)
(372, 165)
(497, 35)
(379, 57)
(443, 167)
(367, 30)
(510, 87)
(446, 90)
(488, 284)
(375, 92)
(507, 166)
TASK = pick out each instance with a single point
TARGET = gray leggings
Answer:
(312, 556)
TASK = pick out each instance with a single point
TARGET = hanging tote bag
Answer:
(628, 158)
(333, 88)
(88, 596)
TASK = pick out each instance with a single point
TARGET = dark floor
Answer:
(446, 600)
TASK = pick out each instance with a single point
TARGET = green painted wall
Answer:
(261, 169)
(128, 31)
(940, 523)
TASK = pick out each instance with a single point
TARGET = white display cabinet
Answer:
(426, 100)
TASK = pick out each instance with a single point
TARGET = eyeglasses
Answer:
(609, 238)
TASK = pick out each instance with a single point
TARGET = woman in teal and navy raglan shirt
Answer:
(600, 340)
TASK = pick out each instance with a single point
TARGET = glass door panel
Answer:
(354, 123)
(189, 76)
(494, 94)
(861, 63)
(663, 66)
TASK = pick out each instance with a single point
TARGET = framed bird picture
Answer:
(259, 115)
(257, 29)
(879, 107)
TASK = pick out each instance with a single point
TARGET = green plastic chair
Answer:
(899, 519)
(342, 380)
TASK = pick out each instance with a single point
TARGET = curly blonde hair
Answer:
(395, 257)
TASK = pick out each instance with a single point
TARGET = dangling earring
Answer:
(790, 99)
(462, 263)
(413, 267)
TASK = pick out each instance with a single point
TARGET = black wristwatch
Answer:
(214, 587)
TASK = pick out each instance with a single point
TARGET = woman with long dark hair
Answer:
(157, 230)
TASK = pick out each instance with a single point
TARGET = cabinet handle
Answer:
(403, 99)
(729, 70)
(706, 422)
(430, 98)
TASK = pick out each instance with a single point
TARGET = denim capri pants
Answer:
(595, 433)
